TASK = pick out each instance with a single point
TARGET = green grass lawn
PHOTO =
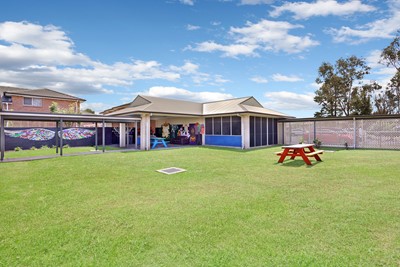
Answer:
(231, 208)
(26, 153)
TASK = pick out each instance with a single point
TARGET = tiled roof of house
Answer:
(37, 92)
(150, 104)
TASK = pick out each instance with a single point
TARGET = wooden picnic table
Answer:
(299, 150)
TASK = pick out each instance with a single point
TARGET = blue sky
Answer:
(201, 50)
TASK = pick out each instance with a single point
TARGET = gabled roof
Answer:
(150, 104)
(44, 92)
(229, 106)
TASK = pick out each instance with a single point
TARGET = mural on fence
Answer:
(32, 134)
(41, 134)
(77, 133)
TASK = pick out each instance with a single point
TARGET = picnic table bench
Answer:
(300, 150)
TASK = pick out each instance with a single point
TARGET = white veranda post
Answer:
(245, 131)
(122, 135)
(145, 132)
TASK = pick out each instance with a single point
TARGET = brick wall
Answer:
(18, 105)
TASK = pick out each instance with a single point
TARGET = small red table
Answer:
(300, 150)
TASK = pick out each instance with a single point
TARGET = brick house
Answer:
(35, 100)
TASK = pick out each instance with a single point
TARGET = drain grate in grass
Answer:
(171, 170)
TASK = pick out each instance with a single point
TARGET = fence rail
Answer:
(354, 132)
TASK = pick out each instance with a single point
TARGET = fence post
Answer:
(315, 130)
(2, 139)
(61, 137)
(355, 132)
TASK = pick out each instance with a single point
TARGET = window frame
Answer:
(32, 100)
(221, 126)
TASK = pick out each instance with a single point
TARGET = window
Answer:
(229, 125)
(6, 99)
(226, 125)
(35, 102)
(217, 126)
(209, 126)
(236, 125)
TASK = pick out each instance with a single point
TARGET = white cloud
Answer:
(259, 79)
(232, 50)
(277, 77)
(96, 106)
(382, 74)
(190, 27)
(198, 77)
(383, 28)
(219, 79)
(187, 68)
(187, 2)
(30, 44)
(315, 85)
(34, 56)
(255, 2)
(183, 94)
(290, 101)
(265, 35)
(305, 10)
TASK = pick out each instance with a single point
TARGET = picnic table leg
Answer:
(163, 142)
(295, 151)
(154, 144)
(305, 158)
(316, 155)
(283, 156)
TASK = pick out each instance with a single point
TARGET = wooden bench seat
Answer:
(312, 154)
(279, 153)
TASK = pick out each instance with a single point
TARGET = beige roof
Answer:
(37, 92)
(150, 104)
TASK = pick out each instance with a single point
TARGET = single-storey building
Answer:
(240, 122)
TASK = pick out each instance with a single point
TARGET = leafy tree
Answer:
(88, 110)
(338, 94)
(394, 92)
(54, 108)
(382, 100)
(362, 104)
(327, 95)
(390, 56)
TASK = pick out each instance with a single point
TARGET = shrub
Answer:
(317, 142)
(66, 146)
(33, 148)
(44, 147)
(17, 149)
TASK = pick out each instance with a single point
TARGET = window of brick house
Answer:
(30, 101)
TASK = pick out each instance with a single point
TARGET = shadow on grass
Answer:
(298, 163)
(240, 150)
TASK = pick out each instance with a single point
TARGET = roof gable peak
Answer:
(251, 101)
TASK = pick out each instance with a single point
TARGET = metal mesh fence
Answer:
(355, 133)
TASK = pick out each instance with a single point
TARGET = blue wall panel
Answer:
(224, 140)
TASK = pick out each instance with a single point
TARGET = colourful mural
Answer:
(32, 134)
(41, 134)
(77, 133)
